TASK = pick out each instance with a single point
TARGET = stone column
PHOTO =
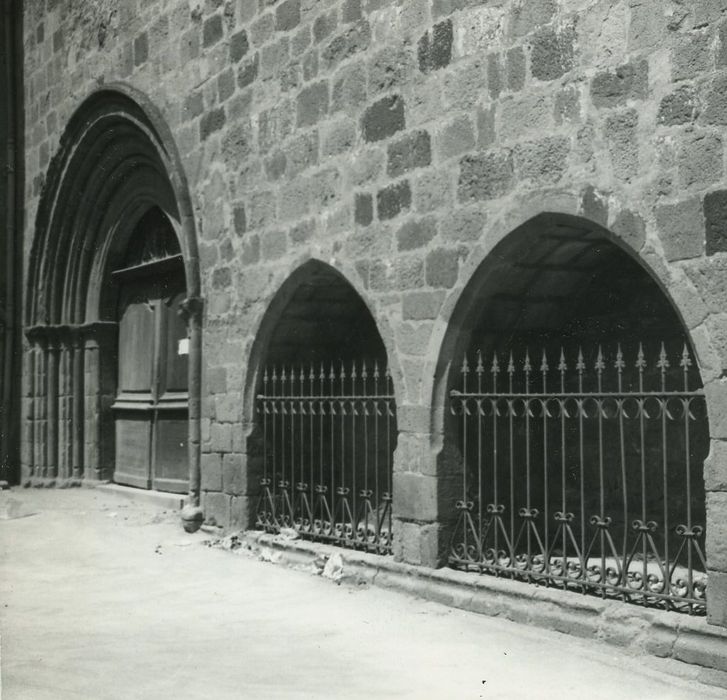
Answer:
(77, 401)
(51, 396)
(40, 409)
(27, 464)
(99, 343)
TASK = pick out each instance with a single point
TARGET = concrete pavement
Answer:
(108, 598)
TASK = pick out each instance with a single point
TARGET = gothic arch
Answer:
(115, 160)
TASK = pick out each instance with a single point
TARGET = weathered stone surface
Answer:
(456, 137)
(354, 39)
(411, 151)
(631, 228)
(287, 15)
(691, 55)
(679, 107)
(715, 102)
(394, 199)
(623, 147)
(389, 68)
(542, 161)
(141, 49)
(239, 45)
(212, 30)
(516, 68)
(717, 601)
(716, 542)
(485, 175)
(681, 229)
(212, 121)
(551, 53)
(248, 71)
(383, 118)
(364, 209)
(528, 16)
(627, 82)
(312, 103)
(434, 49)
(433, 189)
(324, 26)
(715, 217)
(421, 306)
(416, 233)
(701, 160)
(442, 268)
(211, 469)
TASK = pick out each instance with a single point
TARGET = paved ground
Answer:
(104, 598)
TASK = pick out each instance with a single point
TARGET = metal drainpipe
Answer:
(10, 327)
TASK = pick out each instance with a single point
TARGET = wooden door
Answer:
(151, 407)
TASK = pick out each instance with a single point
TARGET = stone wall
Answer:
(399, 142)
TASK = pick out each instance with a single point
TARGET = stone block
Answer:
(212, 121)
(543, 162)
(312, 103)
(363, 209)
(434, 49)
(302, 231)
(594, 206)
(141, 49)
(416, 233)
(525, 114)
(528, 16)
(239, 219)
(433, 189)
(516, 68)
(455, 137)
(287, 15)
(354, 39)
(310, 65)
(211, 472)
(411, 151)
(220, 437)
(442, 268)
(417, 544)
(715, 101)
(415, 496)
(225, 85)
(324, 26)
(485, 175)
(275, 165)
(300, 41)
(715, 217)
(716, 541)
(394, 199)
(302, 152)
(262, 29)
(485, 127)
(351, 11)
(701, 649)
(389, 68)
(715, 467)
(412, 339)
(701, 158)
(409, 275)
(623, 147)
(678, 107)
(383, 118)
(221, 278)
(338, 136)
(273, 245)
(717, 598)
(248, 71)
(495, 76)
(234, 479)
(212, 30)
(216, 508)
(627, 82)
(239, 46)
(551, 53)
(630, 228)
(421, 306)
(349, 88)
(709, 276)
(690, 55)
(681, 229)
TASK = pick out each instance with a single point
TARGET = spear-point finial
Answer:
(495, 369)
(619, 364)
(663, 361)
(526, 364)
(353, 370)
(600, 364)
(562, 366)
(544, 363)
(580, 362)
(640, 359)
(364, 373)
(376, 369)
(465, 366)
(511, 365)
(480, 367)
(686, 361)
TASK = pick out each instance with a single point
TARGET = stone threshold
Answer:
(696, 649)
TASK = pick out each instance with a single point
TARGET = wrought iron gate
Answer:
(328, 438)
(586, 475)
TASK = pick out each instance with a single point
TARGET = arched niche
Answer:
(575, 421)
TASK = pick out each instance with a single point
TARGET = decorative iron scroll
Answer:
(586, 475)
(328, 435)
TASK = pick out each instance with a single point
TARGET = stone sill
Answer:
(700, 648)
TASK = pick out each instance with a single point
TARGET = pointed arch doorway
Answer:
(151, 406)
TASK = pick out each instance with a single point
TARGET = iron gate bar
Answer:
(318, 436)
(644, 567)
